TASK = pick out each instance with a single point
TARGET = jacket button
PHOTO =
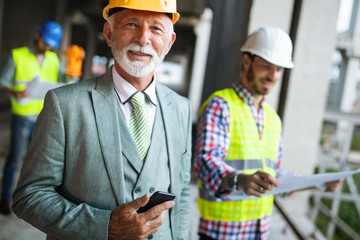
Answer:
(152, 189)
(137, 190)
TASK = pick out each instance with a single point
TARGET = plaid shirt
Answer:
(213, 140)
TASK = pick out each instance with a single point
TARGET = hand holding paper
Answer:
(37, 89)
(290, 182)
(257, 184)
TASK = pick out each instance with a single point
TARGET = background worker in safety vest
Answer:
(75, 56)
(239, 143)
(121, 137)
(23, 66)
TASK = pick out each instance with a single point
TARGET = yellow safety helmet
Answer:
(163, 6)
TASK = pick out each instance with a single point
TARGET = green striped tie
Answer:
(139, 124)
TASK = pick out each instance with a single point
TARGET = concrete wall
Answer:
(309, 84)
(307, 94)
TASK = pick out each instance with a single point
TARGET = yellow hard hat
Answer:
(163, 6)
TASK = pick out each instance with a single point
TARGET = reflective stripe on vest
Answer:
(27, 67)
(247, 153)
(203, 194)
(250, 164)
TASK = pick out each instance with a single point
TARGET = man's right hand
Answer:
(126, 223)
(21, 95)
(16, 94)
(256, 184)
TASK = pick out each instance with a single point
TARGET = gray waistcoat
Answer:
(151, 175)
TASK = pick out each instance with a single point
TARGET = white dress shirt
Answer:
(125, 91)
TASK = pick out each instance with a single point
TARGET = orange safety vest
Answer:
(75, 55)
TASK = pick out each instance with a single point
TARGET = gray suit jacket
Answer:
(73, 174)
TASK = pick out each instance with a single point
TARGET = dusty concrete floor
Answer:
(13, 228)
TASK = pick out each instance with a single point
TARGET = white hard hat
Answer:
(271, 44)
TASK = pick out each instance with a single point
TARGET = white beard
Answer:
(137, 68)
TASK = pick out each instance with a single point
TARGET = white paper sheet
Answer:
(289, 182)
(38, 89)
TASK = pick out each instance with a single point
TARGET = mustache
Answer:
(266, 79)
(143, 49)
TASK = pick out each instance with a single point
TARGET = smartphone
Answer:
(155, 199)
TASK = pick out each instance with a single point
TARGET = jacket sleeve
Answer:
(36, 199)
(184, 226)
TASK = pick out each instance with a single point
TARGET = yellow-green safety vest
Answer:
(27, 67)
(246, 153)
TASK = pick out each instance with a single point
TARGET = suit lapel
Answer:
(107, 115)
(130, 151)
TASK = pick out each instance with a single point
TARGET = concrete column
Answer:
(229, 28)
(307, 93)
(352, 47)
(309, 83)
(349, 94)
(203, 32)
(348, 97)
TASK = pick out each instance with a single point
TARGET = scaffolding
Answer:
(335, 153)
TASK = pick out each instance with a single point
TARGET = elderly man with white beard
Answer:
(102, 146)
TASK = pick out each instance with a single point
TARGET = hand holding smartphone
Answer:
(155, 199)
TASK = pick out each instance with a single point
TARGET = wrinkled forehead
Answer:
(118, 9)
(149, 16)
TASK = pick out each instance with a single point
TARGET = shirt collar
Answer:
(244, 94)
(125, 90)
